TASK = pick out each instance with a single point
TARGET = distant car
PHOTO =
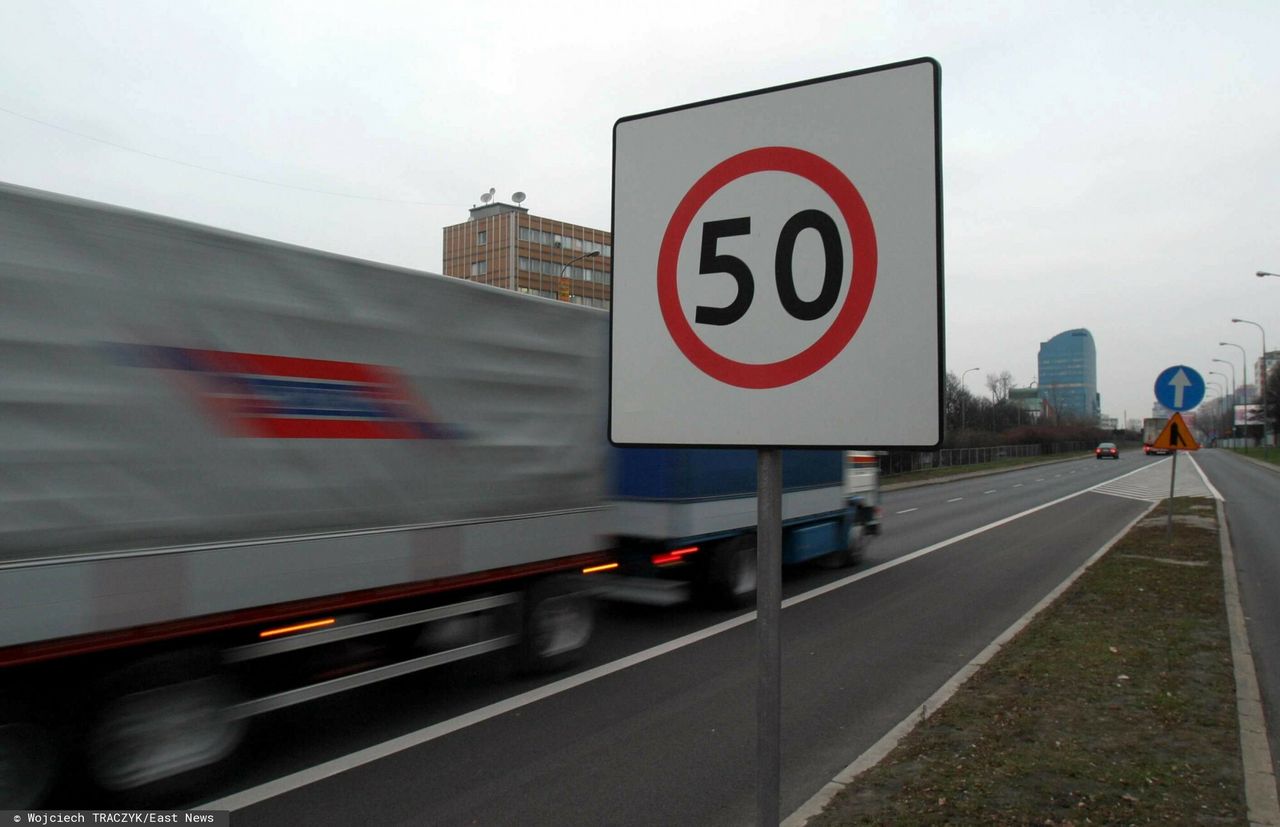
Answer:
(1105, 450)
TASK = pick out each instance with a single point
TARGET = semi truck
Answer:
(684, 519)
(1151, 430)
(238, 475)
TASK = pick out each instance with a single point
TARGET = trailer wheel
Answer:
(730, 576)
(855, 547)
(559, 618)
(165, 719)
(28, 759)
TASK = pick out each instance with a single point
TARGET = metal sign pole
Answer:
(768, 625)
(1173, 475)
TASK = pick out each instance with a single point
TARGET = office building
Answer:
(1068, 375)
(506, 246)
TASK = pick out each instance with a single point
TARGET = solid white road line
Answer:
(1255, 747)
(1216, 495)
(893, 737)
(319, 772)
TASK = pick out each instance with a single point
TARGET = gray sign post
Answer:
(770, 250)
(769, 634)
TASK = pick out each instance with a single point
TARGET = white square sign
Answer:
(777, 267)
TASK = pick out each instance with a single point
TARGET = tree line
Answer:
(970, 420)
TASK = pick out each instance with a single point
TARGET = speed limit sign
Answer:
(777, 267)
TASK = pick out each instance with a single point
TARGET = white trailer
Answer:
(229, 465)
(1151, 429)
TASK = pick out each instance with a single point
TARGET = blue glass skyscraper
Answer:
(1068, 366)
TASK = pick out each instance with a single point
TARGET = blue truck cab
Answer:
(684, 519)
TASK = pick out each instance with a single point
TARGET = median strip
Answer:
(1115, 704)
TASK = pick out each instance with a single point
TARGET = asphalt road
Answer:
(667, 735)
(1251, 496)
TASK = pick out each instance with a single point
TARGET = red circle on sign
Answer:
(862, 273)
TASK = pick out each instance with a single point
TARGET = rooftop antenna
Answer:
(518, 197)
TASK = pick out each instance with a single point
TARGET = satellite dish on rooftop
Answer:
(518, 197)
(486, 197)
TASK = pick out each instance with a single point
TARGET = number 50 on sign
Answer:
(777, 267)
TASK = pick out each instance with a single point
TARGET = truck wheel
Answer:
(730, 577)
(28, 760)
(558, 621)
(854, 548)
(165, 717)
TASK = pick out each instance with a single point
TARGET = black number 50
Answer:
(710, 261)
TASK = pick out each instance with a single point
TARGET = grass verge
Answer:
(1115, 706)
(1271, 455)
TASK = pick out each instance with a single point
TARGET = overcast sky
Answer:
(1113, 166)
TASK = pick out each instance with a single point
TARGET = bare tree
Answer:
(957, 403)
(1053, 397)
(1000, 385)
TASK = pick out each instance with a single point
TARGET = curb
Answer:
(1261, 799)
(877, 751)
(1255, 751)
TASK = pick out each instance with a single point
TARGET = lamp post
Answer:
(1265, 439)
(962, 376)
(1214, 411)
(1225, 387)
(566, 291)
(1243, 373)
(1211, 385)
(1262, 273)
(1233, 374)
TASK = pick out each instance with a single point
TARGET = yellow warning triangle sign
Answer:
(1176, 436)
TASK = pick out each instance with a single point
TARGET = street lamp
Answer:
(1225, 386)
(1262, 273)
(962, 376)
(565, 284)
(1233, 374)
(1243, 373)
(1215, 412)
(1265, 439)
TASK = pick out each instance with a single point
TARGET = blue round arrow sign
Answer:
(1179, 388)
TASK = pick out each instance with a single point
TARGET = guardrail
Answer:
(904, 462)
